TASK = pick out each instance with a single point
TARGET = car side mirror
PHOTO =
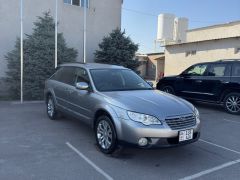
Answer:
(150, 83)
(184, 75)
(82, 86)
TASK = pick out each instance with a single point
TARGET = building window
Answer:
(67, 1)
(77, 2)
(237, 50)
(190, 53)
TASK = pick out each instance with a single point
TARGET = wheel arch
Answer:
(49, 93)
(227, 91)
(100, 112)
(112, 115)
(160, 86)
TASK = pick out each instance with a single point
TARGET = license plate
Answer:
(185, 135)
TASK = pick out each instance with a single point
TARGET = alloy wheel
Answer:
(104, 134)
(168, 90)
(233, 104)
(50, 107)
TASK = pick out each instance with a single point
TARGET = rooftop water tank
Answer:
(165, 27)
(180, 30)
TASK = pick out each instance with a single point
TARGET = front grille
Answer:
(181, 122)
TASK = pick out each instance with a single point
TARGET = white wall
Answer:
(102, 17)
(214, 32)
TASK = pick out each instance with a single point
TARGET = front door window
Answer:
(198, 70)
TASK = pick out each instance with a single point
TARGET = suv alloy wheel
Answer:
(232, 103)
(168, 89)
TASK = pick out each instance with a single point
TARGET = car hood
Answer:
(151, 102)
(169, 77)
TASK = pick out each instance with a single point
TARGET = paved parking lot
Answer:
(34, 147)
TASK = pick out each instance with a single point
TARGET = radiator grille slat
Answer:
(181, 122)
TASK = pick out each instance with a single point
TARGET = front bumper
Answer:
(162, 142)
(158, 136)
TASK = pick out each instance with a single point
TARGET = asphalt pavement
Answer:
(34, 147)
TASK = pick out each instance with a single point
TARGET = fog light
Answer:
(142, 142)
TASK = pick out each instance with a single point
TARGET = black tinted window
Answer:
(197, 70)
(65, 75)
(56, 75)
(219, 70)
(236, 70)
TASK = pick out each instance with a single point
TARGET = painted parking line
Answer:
(217, 168)
(99, 170)
(219, 146)
(208, 171)
(26, 102)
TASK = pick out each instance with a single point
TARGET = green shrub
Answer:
(39, 55)
(117, 49)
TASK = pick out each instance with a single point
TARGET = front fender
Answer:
(51, 92)
(116, 121)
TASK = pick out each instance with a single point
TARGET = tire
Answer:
(105, 134)
(232, 103)
(168, 89)
(51, 108)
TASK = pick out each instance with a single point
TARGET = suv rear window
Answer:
(219, 70)
(236, 70)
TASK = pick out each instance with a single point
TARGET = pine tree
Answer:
(117, 49)
(39, 54)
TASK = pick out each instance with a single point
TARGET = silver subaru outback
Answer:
(121, 107)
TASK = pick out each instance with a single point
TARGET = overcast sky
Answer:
(139, 17)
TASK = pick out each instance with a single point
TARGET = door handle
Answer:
(199, 81)
(224, 82)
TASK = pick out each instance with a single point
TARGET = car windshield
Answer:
(118, 80)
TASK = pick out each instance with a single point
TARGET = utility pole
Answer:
(21, 49)
(85, 31)
(56, 34)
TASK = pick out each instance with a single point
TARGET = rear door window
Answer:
(57, 74)
(65, 75)
(236, 70)
(219, 70)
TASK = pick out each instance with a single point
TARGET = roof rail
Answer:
(224, 60)
(79, 62)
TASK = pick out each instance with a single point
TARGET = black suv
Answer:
(211, 82)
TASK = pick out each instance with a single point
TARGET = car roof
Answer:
(221, 61)
(93, 66)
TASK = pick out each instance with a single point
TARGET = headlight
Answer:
(143, 118)
(196, 112)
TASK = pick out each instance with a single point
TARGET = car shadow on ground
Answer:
(209, 107)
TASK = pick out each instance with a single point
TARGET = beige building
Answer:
(152, 65)
(202, 45)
